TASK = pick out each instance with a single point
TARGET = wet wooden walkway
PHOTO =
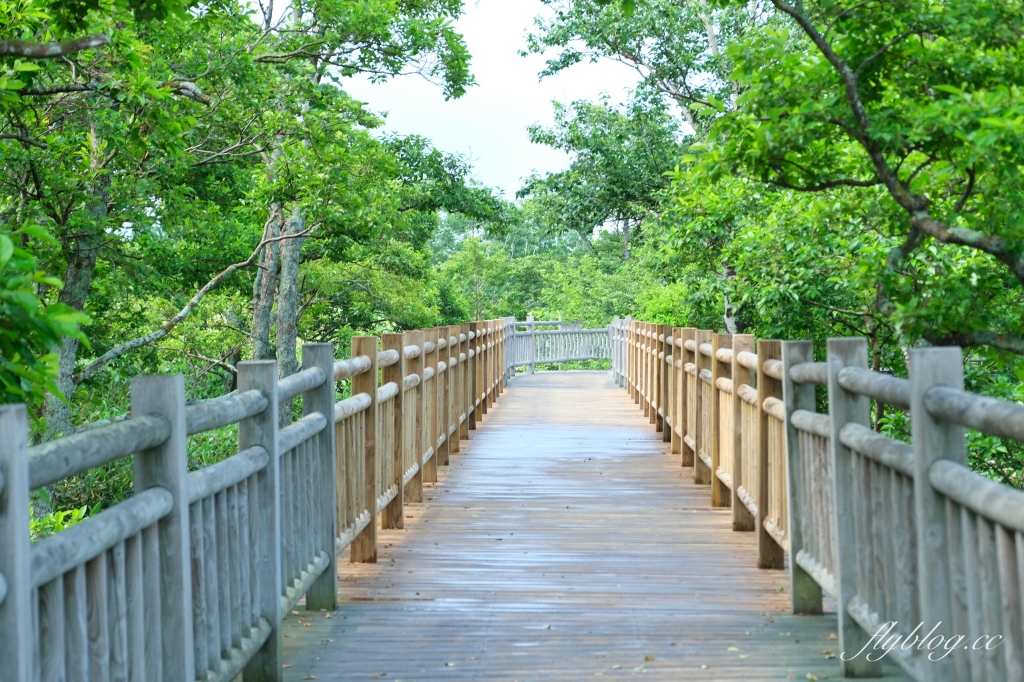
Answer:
(563, 543)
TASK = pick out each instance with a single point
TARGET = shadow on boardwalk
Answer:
(562, 544)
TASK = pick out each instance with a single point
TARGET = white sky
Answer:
(488, 124)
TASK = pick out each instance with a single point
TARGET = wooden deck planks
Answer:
(563, 543)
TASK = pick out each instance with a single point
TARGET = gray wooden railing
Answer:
(190, 577)
(530, 346)
(893, 531)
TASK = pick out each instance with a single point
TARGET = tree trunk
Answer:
(80, 252)
(265, 286)
(288, 305)
(732, 320)
(625, 239)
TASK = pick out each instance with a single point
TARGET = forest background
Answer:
(186, 186)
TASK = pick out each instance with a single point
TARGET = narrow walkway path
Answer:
(563, 544)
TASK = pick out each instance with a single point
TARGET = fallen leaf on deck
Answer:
(616, 666)
(812, 676)
(744, 655)
(828, 654)
(703, 667)
(732, 648)
(648, 658)
(832, 636)
(287, 665)
(450, 664)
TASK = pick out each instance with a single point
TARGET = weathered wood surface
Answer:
(564, 543)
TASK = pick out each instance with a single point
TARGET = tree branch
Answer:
(170, 324)
(1007, 342)
(26, 50)
(24, 139)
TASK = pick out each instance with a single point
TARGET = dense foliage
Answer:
(194, 186)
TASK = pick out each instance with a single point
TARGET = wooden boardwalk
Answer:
(564, 543)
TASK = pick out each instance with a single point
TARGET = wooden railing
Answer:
(893, 531)
(568, 343)
(190, 577)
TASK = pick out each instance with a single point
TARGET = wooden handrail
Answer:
(847, 503)
(281, 508)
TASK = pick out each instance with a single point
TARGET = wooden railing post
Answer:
(485, 367)
(687, 403)
(444, 395)
(721, 496)
(638, 359)
(492, 353)
(470, 395)
(166, 466)
(934, 440)
(806, 591)
(474, 413)
(364, 546)
(769, 553)
(742, 519)
(676, 391)
(632, 370)
(432, 411)
(531, 353)
(16, 621)
(648, 374)
(463, 376)
(393, 515)
(265, 521)
(845, 407)
(414, 489)
(664, 374)
(323, 593)
(701, 470)
(627, 354)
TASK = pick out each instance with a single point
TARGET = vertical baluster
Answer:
(245, 559)
(1010, 612)
(211, 565)
(223, 573)
(199, 582)
(76, 627)
(417, 418)
(118, 614)
(136, 608)
(98, 615)
(51, 631)
(235, 560)
(152, 603)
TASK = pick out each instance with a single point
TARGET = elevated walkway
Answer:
(564, 543)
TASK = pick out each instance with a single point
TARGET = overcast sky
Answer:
(488, 124)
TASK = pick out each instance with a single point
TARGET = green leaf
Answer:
(6, 249)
